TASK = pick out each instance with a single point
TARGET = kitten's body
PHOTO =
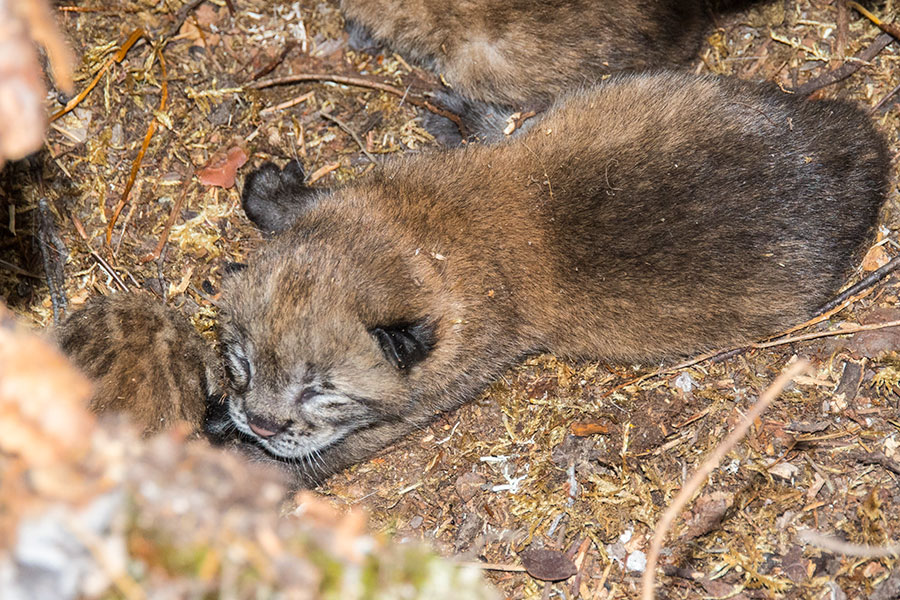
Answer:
(144, 359)
(521, 52)
(501, 56)
(654, 216)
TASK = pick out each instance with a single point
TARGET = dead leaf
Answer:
(785, 470)
(221, 170)
(547, 565)
(707, 513)
(875, 258)
(468, 484)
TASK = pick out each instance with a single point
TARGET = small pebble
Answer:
(637, 561)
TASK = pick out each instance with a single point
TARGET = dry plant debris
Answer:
(577, 459)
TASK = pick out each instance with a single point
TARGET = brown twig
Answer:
(287, 103)
(820, 334)
(268, 68)
(890, 28)
(364, 82)
(863, 284)
(173, 215)
(118, 57)
(709, 464)
(885, 99)
(17, 270)
(341, 79)
(351, 133)
(875, 458)
(495, 567)
(181, 16)
(136, 165)
(837, 546)
(442, 112)
(79, 227)
(847, 69)
(843, 26)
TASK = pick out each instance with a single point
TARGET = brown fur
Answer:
(654, 216)
(144, 359)
(528, 52)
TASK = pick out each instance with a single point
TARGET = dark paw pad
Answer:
(273, 197)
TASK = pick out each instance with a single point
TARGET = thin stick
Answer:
(182, 15)
(105, 266)
(18, 270)
(342, 79)
(709, 464)
(837, 546)
(885, 99)
(885, 27)
(821, 334)
(118, 57)
(868, 282)
(494, 567)
(176, 210)
(136, 165)
(351, 133)
(265, 70)
(876, 458)
(847, 69)
(287, 104)
(366, 83)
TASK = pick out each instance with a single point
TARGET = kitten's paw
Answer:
(481, 121)
(360, 38)
(273, 197)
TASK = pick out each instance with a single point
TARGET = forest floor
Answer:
(581, 458)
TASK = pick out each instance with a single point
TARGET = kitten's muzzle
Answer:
(265, 427)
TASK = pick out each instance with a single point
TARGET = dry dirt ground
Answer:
(573, 457)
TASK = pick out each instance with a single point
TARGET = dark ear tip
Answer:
(234, 267)
(294, 174)
(407, 344)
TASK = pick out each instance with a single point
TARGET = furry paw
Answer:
(482, 121)
(273, 197)
(360, 38)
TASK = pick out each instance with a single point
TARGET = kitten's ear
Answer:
(234, 267)
(273, 197)
(406, 344)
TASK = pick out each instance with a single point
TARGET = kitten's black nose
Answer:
(264, 427)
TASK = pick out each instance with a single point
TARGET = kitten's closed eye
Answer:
(238, 368)
(405, 345)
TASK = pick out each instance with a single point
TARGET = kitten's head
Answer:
(325, 334)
